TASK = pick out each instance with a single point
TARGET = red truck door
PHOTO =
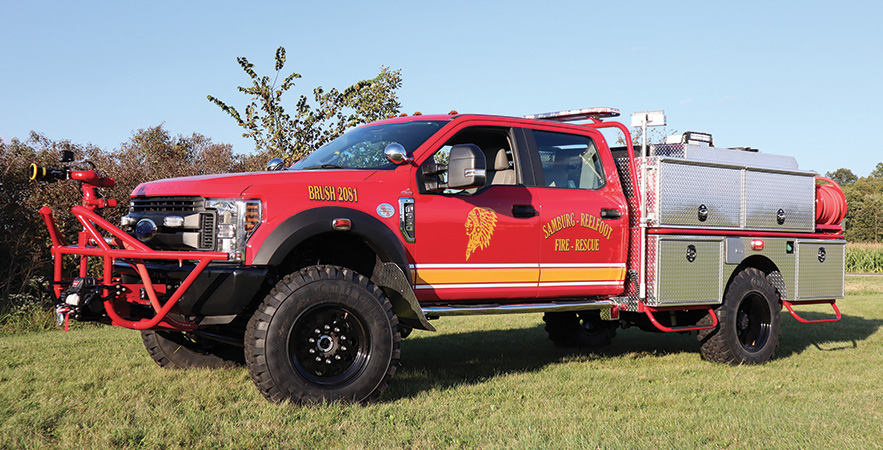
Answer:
(583, 234)
(479, 244)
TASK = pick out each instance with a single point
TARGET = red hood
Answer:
(237, 185)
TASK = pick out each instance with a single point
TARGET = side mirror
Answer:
(275, 164)
(396, 153)
(466, 167)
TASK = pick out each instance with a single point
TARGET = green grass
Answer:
(864, 258)
(480, 382)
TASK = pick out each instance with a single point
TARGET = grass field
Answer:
(483, 382)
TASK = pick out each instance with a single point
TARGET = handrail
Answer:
(794, 314)
(649, 312)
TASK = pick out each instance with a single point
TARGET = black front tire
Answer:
(179, 350)
(749, 322)
(581, 330)
(323, 334)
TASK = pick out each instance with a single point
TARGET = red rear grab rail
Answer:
(794, 314)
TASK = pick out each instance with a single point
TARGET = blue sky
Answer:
(796, 78)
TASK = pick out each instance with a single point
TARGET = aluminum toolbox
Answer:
(689, 186)
(820, 269)
(684, 270)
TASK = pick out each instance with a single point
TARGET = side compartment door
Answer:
(479, 243)
(583, 241)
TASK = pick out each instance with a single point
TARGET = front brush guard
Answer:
(121, 246)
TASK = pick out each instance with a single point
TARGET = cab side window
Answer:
(495, 143)
(569, 161)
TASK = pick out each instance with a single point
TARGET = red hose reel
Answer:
(830, 203)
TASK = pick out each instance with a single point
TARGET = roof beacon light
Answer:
(570, 115)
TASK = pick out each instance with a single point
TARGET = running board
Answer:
(469, 310)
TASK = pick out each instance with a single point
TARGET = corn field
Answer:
(864, 258)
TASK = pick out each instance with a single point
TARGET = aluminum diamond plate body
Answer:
(684, 270)
(779, 202)
(719, 194)
(820, 269)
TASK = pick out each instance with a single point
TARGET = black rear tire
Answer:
(749, 322)
(322, 334)
(583, 330)
(179, 350)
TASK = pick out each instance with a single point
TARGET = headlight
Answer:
(237, 220)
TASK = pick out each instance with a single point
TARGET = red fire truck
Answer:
(312, 274)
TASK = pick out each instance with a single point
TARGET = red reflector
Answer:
(756, 244)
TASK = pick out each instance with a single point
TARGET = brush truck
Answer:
(313, 274)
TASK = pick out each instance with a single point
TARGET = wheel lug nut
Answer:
(343, 348)
(318, 359)
(327, 327)
(337, 357)
(312, 350)
(312, 341)
(343, 338)
(336, 330)
(318, 331)
(327, 361)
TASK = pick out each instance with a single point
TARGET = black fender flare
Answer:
(306, 224)
(383, 241)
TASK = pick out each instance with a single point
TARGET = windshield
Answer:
(362, 148)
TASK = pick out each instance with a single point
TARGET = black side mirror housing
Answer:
(466, 167)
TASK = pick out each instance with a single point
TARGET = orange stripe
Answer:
(444, 276)
(582, 274)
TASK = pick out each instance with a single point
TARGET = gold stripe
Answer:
(582, 274)
(444, 276)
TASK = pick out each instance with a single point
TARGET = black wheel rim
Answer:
(753, 322)
(590, 325)
(328, 345)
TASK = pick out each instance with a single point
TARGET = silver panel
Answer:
(679, 280)
(735, 251)
(766, 193)
(820, 279)
(726, 156)
(683, 189)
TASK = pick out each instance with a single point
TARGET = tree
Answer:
(279, 134)
(878, 171)
(842, 176)
(864, 220)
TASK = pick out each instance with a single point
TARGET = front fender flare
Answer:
(392, 274)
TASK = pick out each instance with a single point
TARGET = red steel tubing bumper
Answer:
(134, 250)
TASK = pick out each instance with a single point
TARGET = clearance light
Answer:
(756, 244)
(575, 114)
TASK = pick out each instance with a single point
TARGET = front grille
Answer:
(167, 204)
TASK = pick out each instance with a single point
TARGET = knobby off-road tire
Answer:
(324, 333)
(178, 350)
(583, 330)
(749, 322)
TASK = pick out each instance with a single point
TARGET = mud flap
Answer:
(394, 283)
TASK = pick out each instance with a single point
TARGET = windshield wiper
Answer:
(324, 166)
